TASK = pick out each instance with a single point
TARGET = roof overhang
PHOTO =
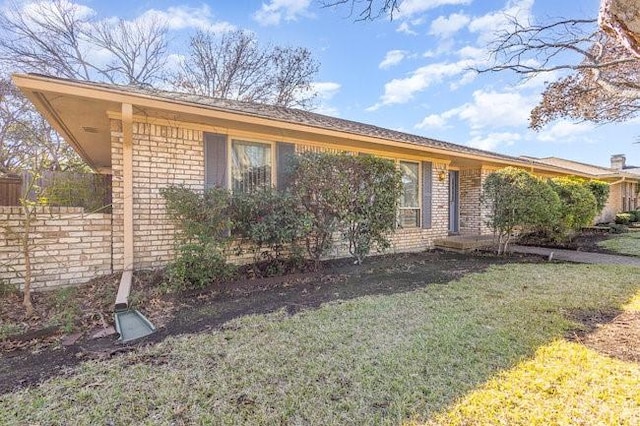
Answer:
(81, 113)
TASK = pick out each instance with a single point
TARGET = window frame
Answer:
(250, 140)
(419, 208)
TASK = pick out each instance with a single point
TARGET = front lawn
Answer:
(624, 243)
(378, 359)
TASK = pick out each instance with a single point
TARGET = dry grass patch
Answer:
(564, 384)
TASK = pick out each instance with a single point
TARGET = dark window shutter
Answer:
(284, 156)
(427, 179)
(215, 160)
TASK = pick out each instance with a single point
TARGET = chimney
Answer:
(618, 161)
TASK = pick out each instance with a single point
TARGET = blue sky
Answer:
(409, 74)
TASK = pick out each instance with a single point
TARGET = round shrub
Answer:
(578, 205)
(623, 218)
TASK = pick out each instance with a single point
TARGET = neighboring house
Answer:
(623, 183)
(149, 139)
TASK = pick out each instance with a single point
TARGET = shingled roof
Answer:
(297, 116)
(590, 169)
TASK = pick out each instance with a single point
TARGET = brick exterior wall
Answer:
(473, 215)
(69, 246)
(164, 156)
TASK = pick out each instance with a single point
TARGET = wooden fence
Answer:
(10, 190)
(89, 190)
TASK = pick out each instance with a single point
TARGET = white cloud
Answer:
(277, 10)
(326, 89)
(433, 121)
(565, 131)
(489, 24)
(37, 9)
(489, 109)
(404, 27)
(184, 17)
(496, 109)
(402, 90)
(445, 27)
(493, 140)
(393, 57)
(409, 8)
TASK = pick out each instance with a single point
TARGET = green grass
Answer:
(624, 243)
(371, 360)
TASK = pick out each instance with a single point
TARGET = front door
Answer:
(454, 201)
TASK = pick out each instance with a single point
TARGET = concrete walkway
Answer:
(577, 256)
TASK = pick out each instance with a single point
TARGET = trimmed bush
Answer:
(356, 196)
(519, 201)
(578, 206)
(600, 191)
(623, 218)
(270, 225)
(202, 222)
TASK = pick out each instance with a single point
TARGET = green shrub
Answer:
(270, 224)
(313, 182)
(623, 218)
(197, 265)
(518, 200)
(633, 216)
(202, 222)
(578, 206)
(355, 196)
(372, 189)
(618, 228)
(600, 191)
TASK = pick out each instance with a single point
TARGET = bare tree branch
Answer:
(235, 66)
(600, 80)
(367, 10)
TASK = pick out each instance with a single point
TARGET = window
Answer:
(250, 165)
(409, 216)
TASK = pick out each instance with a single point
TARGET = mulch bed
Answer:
(585, 241)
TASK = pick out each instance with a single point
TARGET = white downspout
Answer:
(122, 298)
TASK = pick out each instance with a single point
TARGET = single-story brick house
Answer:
(623, 183)
(149, 139)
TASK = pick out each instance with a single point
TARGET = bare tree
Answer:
(367, 10)
(600, 79)
(64, 39)
(25, 135)
(235, 66)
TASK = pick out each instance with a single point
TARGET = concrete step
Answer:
(463, 243)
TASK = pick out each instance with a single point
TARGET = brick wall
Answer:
(69, 246)
(473, 215)
(164, 156)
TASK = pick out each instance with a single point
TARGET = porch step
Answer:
(464, 243)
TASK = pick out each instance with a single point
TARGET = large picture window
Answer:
(250, 165)
(409, 215)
